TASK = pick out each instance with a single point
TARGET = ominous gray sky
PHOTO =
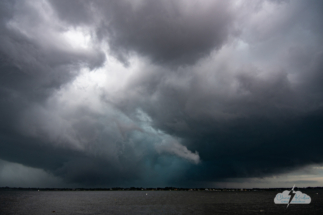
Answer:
(161, 93)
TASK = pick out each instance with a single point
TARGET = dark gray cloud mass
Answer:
(159, 93)
(168, 32)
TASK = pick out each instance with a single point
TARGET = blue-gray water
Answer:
(156, 202)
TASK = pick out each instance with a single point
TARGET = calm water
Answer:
(156, 202)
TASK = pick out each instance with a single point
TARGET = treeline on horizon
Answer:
(152, 189)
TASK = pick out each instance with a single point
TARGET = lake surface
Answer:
(155, 202)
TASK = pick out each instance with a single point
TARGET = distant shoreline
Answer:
(156, 189)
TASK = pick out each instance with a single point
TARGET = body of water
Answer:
(151, 202)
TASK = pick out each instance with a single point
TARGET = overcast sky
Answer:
(161, 93)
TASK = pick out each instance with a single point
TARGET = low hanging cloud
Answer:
(16, 175)
(173, 147)
(151, 93)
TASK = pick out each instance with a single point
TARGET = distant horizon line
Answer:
(151, 188)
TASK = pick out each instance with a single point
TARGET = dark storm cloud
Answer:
(72, 166)
(251, 121)
(78, 12)
(211, 91)
(30, 70)
(168, 32)
(269, 128)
